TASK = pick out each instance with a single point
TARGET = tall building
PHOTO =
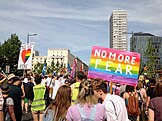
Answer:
(60, 56)
(139, 42)
(118, 30)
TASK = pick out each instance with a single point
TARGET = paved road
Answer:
(27, 116)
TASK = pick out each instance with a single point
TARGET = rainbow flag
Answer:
(114, 65)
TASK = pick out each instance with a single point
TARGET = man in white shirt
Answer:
(114, 104)
(44, 80)
(56, 85)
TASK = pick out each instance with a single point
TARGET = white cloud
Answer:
(71, 23)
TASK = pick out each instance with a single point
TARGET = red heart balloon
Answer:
(25, 55)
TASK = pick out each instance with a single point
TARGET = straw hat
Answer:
(11, 76)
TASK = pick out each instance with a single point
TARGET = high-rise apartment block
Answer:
(139, 43)
(118, 30)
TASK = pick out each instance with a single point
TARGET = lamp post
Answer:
(30, 35)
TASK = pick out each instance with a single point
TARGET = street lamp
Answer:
(30, 35)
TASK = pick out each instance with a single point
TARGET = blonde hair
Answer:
(86, 93)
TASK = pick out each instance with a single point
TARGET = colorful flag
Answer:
(74, 68)
(69, 68)
(44, 70)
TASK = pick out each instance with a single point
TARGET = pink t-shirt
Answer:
(73, 113)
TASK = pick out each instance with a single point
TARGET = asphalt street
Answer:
(27, 116)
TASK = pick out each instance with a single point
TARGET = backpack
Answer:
(27, 90)
(132, 107)
(83, 114)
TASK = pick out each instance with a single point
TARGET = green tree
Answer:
(150, 59)
(10, 50)
(141, 70)
(38, 68)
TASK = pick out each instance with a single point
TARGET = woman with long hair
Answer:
(87, 107)
(58, 108)
(155, 106)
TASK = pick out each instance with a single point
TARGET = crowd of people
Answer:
(57, 97)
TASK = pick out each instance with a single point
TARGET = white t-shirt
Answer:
(56, 84)
(43, 82)
(115, 108)
(48, 81)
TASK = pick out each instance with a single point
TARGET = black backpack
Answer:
(28, 88)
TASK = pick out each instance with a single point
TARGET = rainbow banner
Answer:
(114, 65)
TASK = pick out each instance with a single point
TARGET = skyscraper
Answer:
(118, 30)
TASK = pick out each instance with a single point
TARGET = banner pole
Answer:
(111, 91)
(24, 73)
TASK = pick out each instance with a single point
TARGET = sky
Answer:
(74, 24)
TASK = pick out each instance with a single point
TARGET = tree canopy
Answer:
(9, 53)
(150, 65)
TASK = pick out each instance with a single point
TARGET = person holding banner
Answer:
(114, 104)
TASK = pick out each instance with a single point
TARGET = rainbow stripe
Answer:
(122, 67)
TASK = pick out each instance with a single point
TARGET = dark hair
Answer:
(152, 81)
(68, 81)
(85, 77)
(29, 78)
(38, 79)
(79, 75)
(5, 88)
(158, 89)
(129, 88)
(99, 84)
(67, 76)
(16, 78)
